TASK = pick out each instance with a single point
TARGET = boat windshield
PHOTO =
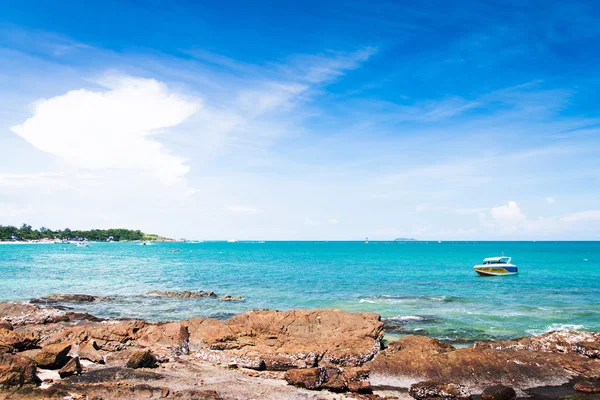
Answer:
(497, 260)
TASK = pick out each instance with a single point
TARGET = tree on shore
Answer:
(26, 232)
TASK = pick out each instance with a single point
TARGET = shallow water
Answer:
(423, 287)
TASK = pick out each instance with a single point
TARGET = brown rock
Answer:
(499, 392)
(584, 343)
(587, 387)
(477, 367)
(23, 313)
(142, 359)
(183, 295)
(281, 340)
(89, 351)
(350, 379)
(308, 378)
(431, 390)
(73, 367)
(12, 341)
(53, 356)
(6, 325)
(17, 371)
(68, 298)
(229, 297)
(357, 379)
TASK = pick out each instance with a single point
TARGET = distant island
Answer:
(405, 240)
(27, 233)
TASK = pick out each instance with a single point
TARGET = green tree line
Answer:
(26, 232)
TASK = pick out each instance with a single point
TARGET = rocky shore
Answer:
(48, 352)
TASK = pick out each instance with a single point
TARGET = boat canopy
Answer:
(497, 260)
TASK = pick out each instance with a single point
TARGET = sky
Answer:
(312, 120)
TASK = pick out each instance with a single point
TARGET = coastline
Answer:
(276, 354)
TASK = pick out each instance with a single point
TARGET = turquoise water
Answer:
(423, 287)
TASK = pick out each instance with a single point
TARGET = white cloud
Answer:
(333, 221)
(508, 217)
(237, 209)
(582, 216)
(111, 128)
(549, 200)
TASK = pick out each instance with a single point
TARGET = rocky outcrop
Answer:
(584, 343)
(6, 325)
(69, 298)
(12, 341)
(53, 356)
(89, 351)
(16, 371)
(142, 359)
(229, 297)
(22, 313)
(435, 390)
(414, 359)
(499, 392)
(587, 386)
(183, 295)
(280, 340)
(335, 379)
(73, 367)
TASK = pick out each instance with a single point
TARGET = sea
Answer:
(417, 287)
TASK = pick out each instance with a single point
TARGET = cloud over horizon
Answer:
(112, 128)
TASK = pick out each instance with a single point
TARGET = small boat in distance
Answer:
(495, 266)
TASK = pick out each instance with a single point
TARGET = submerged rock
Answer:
(142, 359)
(229, 297)
(69, 298)
(73, 367)
(53, 356)
(432, 390)
(499, 392)
(16, 371)
(183, 295)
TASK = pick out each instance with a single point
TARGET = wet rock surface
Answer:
(182, 295)
(499, 392)
(69, 298)
(229, 297)
(587, 386)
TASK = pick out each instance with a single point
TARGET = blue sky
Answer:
(303, 120)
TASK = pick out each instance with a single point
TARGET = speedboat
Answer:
(495, 266)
